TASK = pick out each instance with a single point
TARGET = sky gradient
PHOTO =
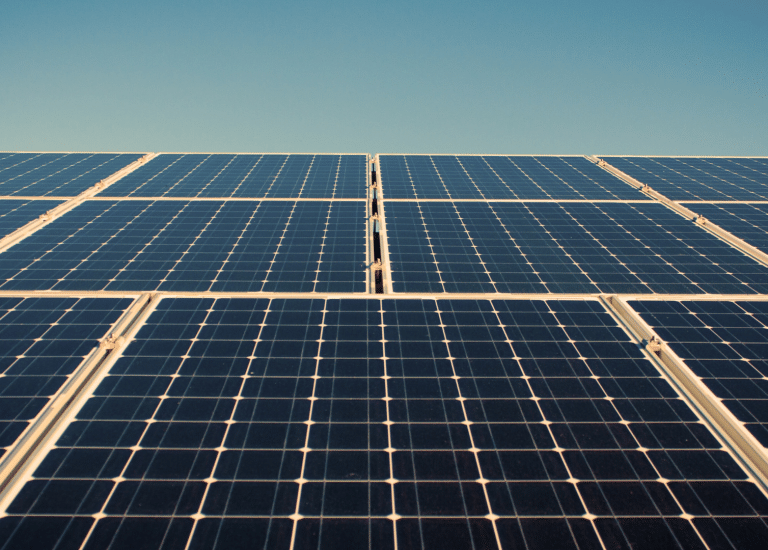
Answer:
(669, 78)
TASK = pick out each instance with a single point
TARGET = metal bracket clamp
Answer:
(111, 342)
(653, 345)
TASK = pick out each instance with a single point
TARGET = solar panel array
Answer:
(198, 354)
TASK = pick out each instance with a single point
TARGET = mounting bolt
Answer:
(111, 342)
(654, 344)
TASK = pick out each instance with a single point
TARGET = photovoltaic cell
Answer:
(357, 423)
(42, 342)
(57, 174)
(498, 177)
(726, 345)
(748, 222)
(711, 179)
(195, 246)
(248, 176)
(560, 247)
(18, 213)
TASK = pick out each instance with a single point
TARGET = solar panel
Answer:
(455, 423)
(247, 176)
(711, 179)
(314, 413)
(195, 246)
(57, 174)
(498, 177)
(560, 247)
(748, 222)
(15, 214)
(726, 345)
(42, 342)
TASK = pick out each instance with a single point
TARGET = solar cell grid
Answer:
(685, 179)
(17, 213)
(726, 345)
(247, 176)
(311, 422)
(748, 222)
(498, 177)
(58, 174)
(195, 246)
(563, 247)
(42, 342)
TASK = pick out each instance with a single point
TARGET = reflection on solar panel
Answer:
(726, 345)
(560, 247)
(232, 423)
(195, 246)
(747, 221)
(57, 174)
(17, 213)
(252, 176)
(498, 177)
(42, 342)
(709, 179)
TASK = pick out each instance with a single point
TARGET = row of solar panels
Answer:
(328, 423)
(323, 246)
(402, 176)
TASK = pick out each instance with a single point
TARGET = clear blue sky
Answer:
(652, 77)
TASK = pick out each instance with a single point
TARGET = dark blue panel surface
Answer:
(498, 177)
(195, 246)
(710, 179)
(248, 176)
(17, 213)
(748, 222)
(58, 174)
(726, 345)
(566, 247)
(42, 341)
(330, 424)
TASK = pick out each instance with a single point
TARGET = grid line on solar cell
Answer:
(248, 176)
(15, 214)
(541, 413)
(195, 246)
(692, 178)
(748, 222)
(42, 342)
(498, 177)
(61, 174)
(725, 344)
(613, 247)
